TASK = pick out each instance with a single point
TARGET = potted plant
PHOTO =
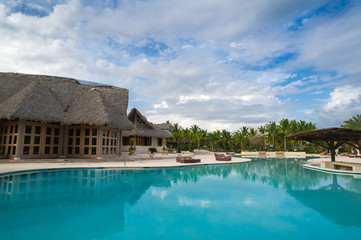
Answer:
(164, 149)
(132, 148)
(152, 151)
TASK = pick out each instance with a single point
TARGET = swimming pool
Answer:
(264, 199)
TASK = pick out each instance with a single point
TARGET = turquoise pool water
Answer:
(263, 199)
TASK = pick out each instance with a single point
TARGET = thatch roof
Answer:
(331, 138)
(64, 100)
(332, 134)
(148, 129)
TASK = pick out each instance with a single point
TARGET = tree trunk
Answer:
(285, 143)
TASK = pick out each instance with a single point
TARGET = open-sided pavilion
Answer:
(331, 138)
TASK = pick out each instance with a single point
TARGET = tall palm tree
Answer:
(226, 138)
(262, 130)
(195, 128)
(212, 139)
(199, 137)
(188, 137)
(284, 126)
(238, 138)
(354, 122)
(272, 131)
(301, 127)
(177, 132)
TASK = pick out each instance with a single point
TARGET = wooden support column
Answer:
(333, 147)
(100, 142)
(332, 150)
(119, 143)
(19, 145)
(63, 140)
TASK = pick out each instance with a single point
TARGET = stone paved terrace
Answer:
(138, 161)
(126, 161)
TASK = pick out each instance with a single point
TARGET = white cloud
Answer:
(216, 67)
(343, 97)
(161, 105)
(334, 43)
(201, 98)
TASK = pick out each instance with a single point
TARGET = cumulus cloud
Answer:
(218, 64)
(343, 96)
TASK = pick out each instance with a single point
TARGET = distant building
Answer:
(145, 133)
(51, 117)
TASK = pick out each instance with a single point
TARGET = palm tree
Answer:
(284, 126)
(195, 128)
(226, 139)
(177, 132)
(238, 139)
(354, 122)
(244, 134)
(272, 130)
(262, 130)
(188, 137)
(199, 136)
(212, 139)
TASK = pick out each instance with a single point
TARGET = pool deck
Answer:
(345, 165)
(125, 161)
(159, 161)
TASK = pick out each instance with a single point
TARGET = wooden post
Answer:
(332, 149)
(20, 140)
(63, 140)
(100, 142)
(119, 143)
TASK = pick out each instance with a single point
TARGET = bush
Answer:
(152, 149)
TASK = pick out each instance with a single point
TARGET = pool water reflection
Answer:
(267, 198)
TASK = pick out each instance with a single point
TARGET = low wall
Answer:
(274, 153)
(141, 149)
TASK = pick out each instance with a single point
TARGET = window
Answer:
(28, 129)
(37, 130)
(109, 141)
(8, 137)
(40, 140)
(83, 142)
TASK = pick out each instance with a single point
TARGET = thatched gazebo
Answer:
(145, 133)
(331, 138)
(49, 117)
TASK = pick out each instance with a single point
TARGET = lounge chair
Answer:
(222, 157)
(187, 160)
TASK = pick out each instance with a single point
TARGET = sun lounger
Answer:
(222, 157)
(187, 160)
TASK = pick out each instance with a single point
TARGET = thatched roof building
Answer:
(141, 127)
(46, 116)
(63, 100)
(145, 133)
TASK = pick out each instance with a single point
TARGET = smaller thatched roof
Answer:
(148, 129)
(326, 134)
(134, 114)
(330, 138)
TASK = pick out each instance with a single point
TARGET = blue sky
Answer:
(217, 64)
